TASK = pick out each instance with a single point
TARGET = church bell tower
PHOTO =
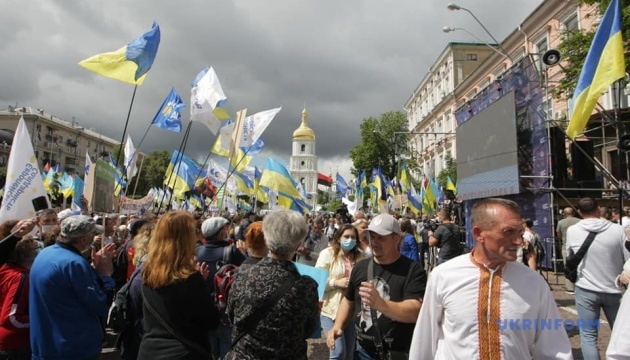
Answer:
(303, 165)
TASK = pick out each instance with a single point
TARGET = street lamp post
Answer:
(454, 7)
(448, 29)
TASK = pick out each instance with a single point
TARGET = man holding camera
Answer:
(446, 238)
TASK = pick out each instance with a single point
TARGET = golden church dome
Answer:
(304, 132)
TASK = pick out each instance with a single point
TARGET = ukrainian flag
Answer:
(261, 195)
(362, 180)
(129, 63)
(277, 177)
(119, 180)
(379, 183)
(244, 183)
(415, 202)
(604, 65)
(450, 185)
(181, 173)
(404, 179)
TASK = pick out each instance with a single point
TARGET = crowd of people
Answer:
(62, 271)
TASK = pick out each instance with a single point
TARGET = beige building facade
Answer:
(57, 141)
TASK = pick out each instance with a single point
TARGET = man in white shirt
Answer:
(484, 305)
(595, 288)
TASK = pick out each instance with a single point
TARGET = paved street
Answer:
(318, 351)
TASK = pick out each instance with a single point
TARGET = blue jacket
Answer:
(68, 305)
(409, 248)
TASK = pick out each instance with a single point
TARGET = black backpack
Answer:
(121, 315)
(223, 279)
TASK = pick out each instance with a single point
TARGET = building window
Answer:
(471, 57)
(571, 24)
(302, 148)
(302, 163)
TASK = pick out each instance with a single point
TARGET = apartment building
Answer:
(54, 140)
(430, 107)
(465, 70)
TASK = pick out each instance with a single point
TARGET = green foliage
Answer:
(384, 143)
(449, 170)
(152, 174)
(576, 44)
(334, 205)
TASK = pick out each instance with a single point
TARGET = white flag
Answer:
(255, 125)
(24, 191)
(206, 95)
(131, 158)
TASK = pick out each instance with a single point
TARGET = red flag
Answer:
(47, 167)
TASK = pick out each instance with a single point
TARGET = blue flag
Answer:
(342, 186)
(169, 116)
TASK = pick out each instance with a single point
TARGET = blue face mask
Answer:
(348, 244)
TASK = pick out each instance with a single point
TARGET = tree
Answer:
(576, 44)
(449, 171)
(152, 175)
(384, 143)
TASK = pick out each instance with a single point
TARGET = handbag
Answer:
(189, 344)
(570, 268)
(378, 338)
(254, 319)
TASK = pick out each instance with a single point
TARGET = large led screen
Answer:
(487, 161)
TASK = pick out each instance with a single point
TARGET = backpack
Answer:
(121, 316)
(223, 283)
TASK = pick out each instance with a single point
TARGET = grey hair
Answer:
(480, 213)
(284, 231)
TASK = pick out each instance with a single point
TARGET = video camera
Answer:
(431, 225)
(345, 215)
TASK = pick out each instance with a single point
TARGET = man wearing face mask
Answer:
(48, 222)
(68, 296)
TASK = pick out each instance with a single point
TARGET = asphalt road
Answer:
(317, 349)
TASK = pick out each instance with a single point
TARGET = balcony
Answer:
(71, 143)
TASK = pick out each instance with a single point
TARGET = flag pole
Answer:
(236, 136)
(135, 187)
(230, 172)
(177, 161)
(133, 96)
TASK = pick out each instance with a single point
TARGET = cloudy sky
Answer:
(345, 60)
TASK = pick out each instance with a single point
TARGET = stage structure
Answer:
(505, 151)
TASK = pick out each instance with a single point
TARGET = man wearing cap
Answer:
(394, 291)
(68, 295)
(216, 231)
(484, 305)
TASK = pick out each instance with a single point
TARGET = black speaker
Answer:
(583, 168)
(558, 157)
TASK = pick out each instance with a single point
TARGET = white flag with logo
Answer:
(24, 192)
(131, 158)
(255, 125)
(205, 98)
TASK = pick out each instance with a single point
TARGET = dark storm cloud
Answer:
(345, 61)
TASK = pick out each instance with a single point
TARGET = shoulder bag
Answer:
(187, 343)
(254, 319)
(570, 268)
(378, 338)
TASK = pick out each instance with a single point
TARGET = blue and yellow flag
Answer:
(244, 183)
(119, 180)
(604, 65)
(260, 193)
(404, 179)
(169, 116)
(450, 185)
(415, 201)
(277, 177)
(181, 173)
(362, 180)
(379, 184)
(129, 63)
